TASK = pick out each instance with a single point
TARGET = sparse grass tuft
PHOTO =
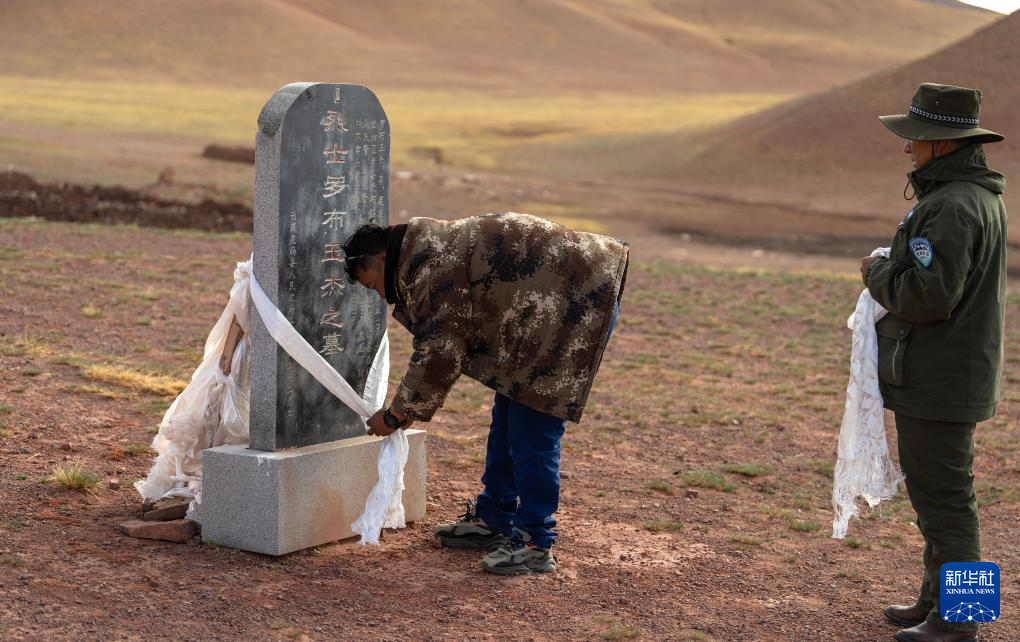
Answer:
(803, 525)
(708, 479)
(854, 543)
(136, 380)
(848, 574)
(66, 360)
(74, 477)
(12, 560)
(777, 512)
(748, 470)
(463, 440)
(92, 311)
(6, 409)
(137, 449)
(149, 294)
(621, 632)
(789, 517)
(661, 525)
(106, 393)
(26, 345)
(11, 523)
(658, 485)
(822, 466)
(746, 540)
(289, 631)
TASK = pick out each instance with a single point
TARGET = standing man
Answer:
(940, 348)
(525, 307)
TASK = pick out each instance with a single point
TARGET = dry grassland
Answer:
(697, 485)
(49, 127)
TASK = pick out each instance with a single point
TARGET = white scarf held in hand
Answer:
(864, 468)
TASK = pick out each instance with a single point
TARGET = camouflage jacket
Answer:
(516, 302)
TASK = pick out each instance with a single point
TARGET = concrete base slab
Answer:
(284, 501)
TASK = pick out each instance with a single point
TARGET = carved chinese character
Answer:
(332, 285)
(333, 252)
(332, 218)
(331, 344)
(334, 185)
(330, 318)
(335, 121)
(334, 155)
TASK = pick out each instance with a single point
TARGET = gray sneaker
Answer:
(519, 557)
(470, 531)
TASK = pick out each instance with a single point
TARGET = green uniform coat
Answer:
(940, 348)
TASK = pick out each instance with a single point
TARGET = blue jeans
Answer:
(522, 468)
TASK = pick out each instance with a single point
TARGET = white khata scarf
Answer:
(864, 468)
(213, 409)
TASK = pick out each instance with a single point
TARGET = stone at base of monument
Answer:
(178, 530)
(165, 509)
(286, 500)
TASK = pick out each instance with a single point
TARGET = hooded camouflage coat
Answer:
(518, 303)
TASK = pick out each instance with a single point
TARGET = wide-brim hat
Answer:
(942, 112)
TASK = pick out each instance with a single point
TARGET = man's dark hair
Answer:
(368, 240)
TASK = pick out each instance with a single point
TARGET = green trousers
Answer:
(937, 459)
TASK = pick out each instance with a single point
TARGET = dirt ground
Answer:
(696, 492)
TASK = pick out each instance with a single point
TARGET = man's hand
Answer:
(376, 425)
(866, 265)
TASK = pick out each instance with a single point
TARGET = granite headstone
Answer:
(321, 171)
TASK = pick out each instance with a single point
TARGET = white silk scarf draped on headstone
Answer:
(384, 508)
(864, 468)
(213, 409)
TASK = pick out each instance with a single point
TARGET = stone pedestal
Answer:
(284, 501)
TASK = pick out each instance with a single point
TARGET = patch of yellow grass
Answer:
(136, 380)
(74, 477)
(118, 107)
(460, 439)
(26, 345)
(92, 311)
(472, 128)
(580, 224)
(106, 393)
(570, 216)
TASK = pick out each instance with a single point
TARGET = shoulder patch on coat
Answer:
(922, 250)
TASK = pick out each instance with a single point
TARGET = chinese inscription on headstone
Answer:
(321, 171)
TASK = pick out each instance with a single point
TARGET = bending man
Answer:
(525, 307)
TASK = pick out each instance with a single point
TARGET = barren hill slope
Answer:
(829, 151)
(647, 45)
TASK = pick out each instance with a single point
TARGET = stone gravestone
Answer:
(321, 171)
(316, 182)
